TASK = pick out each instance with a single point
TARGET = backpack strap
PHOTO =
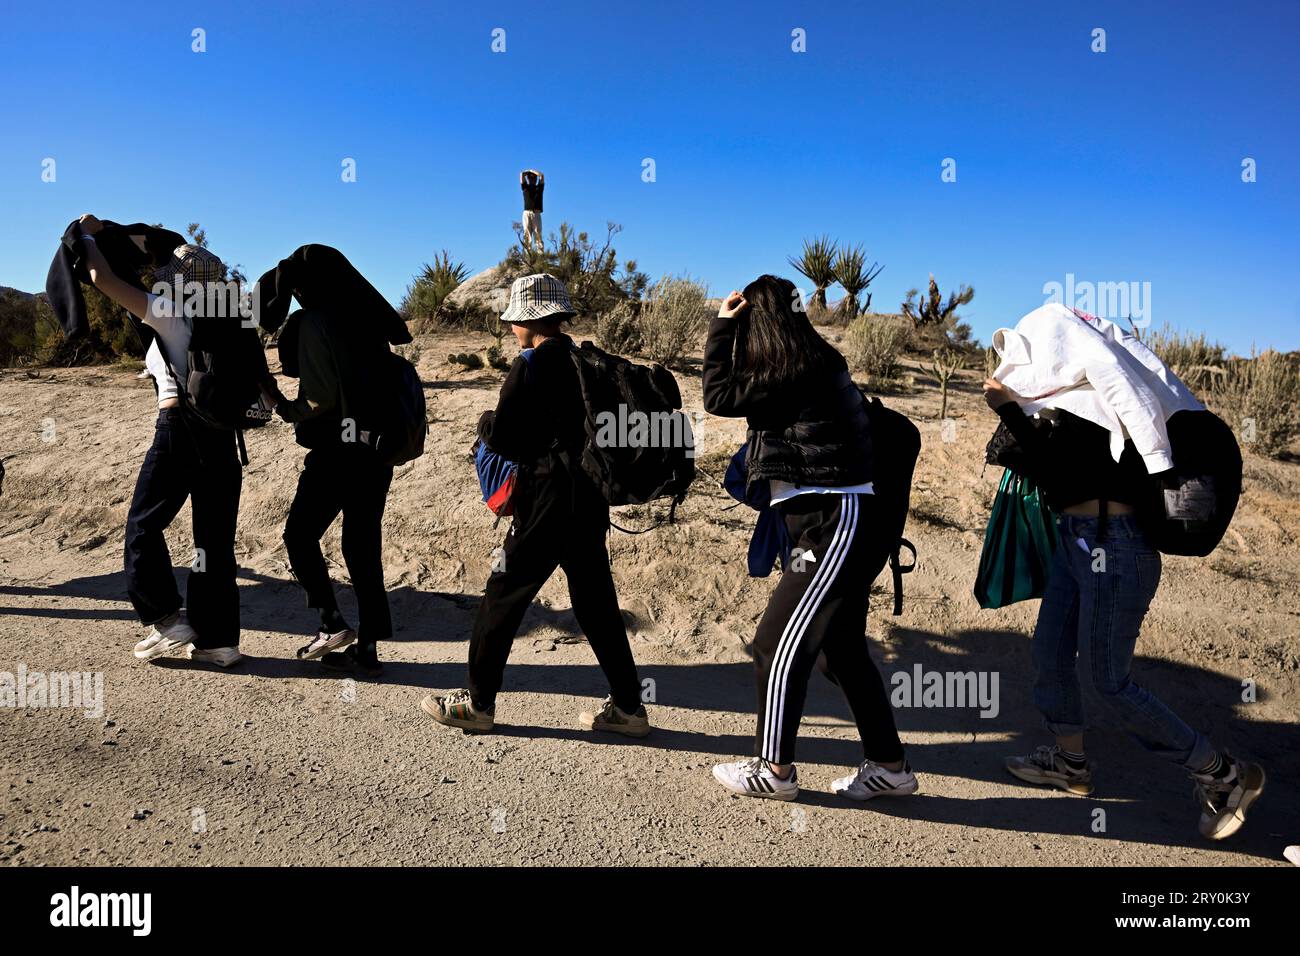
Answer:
(669, 518)
(899, 569)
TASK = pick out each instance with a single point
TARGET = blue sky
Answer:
(1123, 166)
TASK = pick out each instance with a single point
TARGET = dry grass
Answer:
(674, 315)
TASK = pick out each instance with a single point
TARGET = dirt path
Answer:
(276, 762)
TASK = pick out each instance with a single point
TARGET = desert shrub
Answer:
(466, 359)
(22, 330)
(1193, 358)
(874, 345)
(1260, 398)
(674, 315)
(589, 270)
(110, 336)
(619, 330)
(429, 290)
(468, 315)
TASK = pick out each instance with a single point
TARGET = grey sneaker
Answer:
(457, 710)
(1046, 766)
(1224, 802)
(616, 721)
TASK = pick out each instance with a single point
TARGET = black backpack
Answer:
(1192, 504)
(639, 443)
(402, 425)
(222, 388)
(895, 446)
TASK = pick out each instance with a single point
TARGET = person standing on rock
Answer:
(560, 521)
(810, 454)
(532, 183)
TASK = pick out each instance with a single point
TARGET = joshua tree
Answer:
(852, 272)
(945, 365)
(817, 264)
(931, 310)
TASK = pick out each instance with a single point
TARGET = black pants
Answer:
(343, 479)
(553, 527)
(819, 609)
(186, 460)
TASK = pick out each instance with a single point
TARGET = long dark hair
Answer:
(775, 343)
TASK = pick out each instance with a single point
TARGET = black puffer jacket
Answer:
(814, 432)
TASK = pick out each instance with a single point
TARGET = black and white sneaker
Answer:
(754, 778)
(324, 643)
(873, 780)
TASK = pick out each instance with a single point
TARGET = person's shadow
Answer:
(1144, 798)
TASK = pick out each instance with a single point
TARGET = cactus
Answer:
(931, 310)
(945, 364)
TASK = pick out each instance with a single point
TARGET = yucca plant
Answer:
(854, 275)
(817, 264)
(932, 310)
(431, 286)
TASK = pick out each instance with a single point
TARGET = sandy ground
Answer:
(277, 762)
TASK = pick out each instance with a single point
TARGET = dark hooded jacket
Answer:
(809, 433)
(124, 256)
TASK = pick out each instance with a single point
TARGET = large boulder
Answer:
(487, 293)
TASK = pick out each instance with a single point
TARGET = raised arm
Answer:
(134, 300)
(723, 393)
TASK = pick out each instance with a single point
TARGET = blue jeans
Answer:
(1092, 610)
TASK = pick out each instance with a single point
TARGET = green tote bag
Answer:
(1018, 545)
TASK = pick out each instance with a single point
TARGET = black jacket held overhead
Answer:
(809, 433)
(321, 278)
(128, 250)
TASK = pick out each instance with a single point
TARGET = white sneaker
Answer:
(1224, 802)
(221, 656)
(873, 780)
(754, 778)
(323, 643)
(165, 640)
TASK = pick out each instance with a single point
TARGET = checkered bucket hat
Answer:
(534, 297)
(192, 264)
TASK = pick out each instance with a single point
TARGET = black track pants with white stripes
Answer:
(819, 609)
